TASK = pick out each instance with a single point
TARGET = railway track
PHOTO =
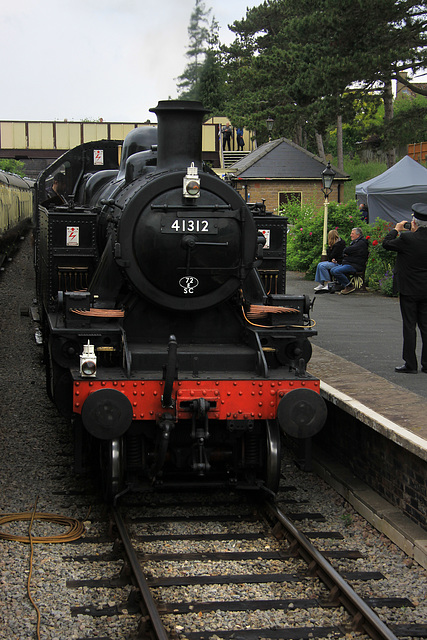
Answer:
(244, 570)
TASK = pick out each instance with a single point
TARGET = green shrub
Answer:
(379, 270)
(12, 166)
(305, 236)
(293, 210)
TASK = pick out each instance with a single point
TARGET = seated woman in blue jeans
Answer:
(333, 257)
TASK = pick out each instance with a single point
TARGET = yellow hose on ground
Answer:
(75, 530)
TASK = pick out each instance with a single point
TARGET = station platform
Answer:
(359, 343)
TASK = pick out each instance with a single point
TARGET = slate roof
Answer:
(282, 159)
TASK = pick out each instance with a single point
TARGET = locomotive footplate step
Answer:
(221, 357)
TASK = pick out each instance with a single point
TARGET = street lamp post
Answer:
(269, 122)
(328, 176)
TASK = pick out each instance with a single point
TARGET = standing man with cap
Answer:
(411, 278)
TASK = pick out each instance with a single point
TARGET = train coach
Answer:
(174, 363)
(16, 210)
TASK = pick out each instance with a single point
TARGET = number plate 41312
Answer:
(190, 225)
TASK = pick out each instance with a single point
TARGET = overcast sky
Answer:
(110, 59)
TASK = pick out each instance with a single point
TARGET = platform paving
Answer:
(359, 343)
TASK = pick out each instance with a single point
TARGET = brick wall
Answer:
(393, 472)
(310, 191)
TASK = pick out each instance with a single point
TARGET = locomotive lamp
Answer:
(328, 176)
(88, 361)
(191, 183)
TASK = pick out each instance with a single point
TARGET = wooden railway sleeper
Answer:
(334, 597)
(278, 531)
(358, 622)
(294, 548)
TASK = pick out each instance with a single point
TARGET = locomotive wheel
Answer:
(273, 455)
(112, 468)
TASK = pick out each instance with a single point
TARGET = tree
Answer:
(275, 68)
(256, 64)
(304, 63)
(365, 121)
(199, 35)
(409, 122)
(12, 166)
(212, 84)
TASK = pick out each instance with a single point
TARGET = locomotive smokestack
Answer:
(179, 137)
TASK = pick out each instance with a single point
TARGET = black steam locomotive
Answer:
(162, 344)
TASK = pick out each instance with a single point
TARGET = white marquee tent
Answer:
(391, 195)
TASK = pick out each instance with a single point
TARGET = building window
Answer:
(286, 197)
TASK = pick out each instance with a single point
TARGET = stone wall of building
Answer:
(309, 191)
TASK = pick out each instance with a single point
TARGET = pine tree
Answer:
(303, 63)
(199, 33)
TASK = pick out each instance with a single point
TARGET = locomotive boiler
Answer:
(174, 363)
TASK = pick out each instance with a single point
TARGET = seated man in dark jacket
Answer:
(354, 260)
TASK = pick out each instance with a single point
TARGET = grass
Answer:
(359, 172)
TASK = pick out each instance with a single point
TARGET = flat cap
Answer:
(419, 209)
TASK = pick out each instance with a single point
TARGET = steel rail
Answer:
(158, 628)
(364, 617)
